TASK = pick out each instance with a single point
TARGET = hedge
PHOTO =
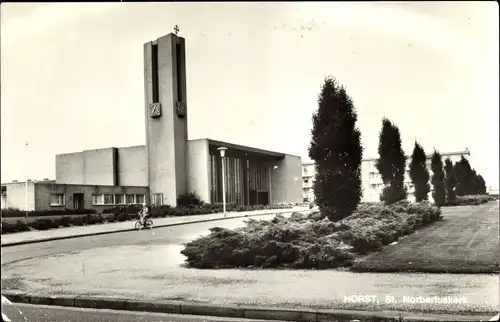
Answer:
(13, 212)
(117, 214)
(311, 241)
(471, 200)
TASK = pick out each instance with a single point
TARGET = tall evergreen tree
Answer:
(439, 194)
(464, 177)
(419, 174)
(474, 184)
(336, 149)
(450, 181)
(391, 163)
(481, 185)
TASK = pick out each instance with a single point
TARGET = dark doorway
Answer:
(78, 199)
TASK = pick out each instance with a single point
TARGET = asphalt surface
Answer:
(174, 235)
(43, 313)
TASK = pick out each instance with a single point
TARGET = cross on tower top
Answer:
(176, 29)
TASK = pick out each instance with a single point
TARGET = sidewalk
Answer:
(107, 228)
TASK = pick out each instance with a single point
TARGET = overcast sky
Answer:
(72, 75)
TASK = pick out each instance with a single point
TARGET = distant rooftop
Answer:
(429, 156)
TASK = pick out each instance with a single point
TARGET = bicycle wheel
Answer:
(149, 223)
(138, 225)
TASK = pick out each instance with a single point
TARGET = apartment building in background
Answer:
(370, 177)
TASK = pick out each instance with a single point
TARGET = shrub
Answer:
(64, 221)
(189, 200)
(125, 216)
(128, 209)
(19, 226)
(44, 224)
(13, 212)
(309, 241)
(471, 200)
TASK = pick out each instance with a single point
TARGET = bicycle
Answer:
(139, 224)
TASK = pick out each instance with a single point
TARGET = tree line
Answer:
(337, 151)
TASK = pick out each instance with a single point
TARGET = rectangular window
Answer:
(57, 199)
(4, 190)
(130, 199)
(97, 200)
(139, 198)
(119, 199)
(154, 73)
(108, 199)
(178, 56)
(306, 180)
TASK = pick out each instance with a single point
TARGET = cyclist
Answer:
(143, 213)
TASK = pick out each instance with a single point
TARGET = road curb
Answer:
(230, 310)
(26, 242)
(178, 307)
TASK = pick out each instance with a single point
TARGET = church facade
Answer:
(169, 165)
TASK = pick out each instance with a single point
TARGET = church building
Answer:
(169, 165)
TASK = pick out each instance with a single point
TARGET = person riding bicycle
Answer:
(143, 213)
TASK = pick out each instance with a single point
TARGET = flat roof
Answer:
(53, 182)
(246, 148)
(428, 156)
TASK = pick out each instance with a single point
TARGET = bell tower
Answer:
(166, 117)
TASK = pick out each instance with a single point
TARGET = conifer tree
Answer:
(391, 163)
(439, 194)
(419, 174)
(336, 149)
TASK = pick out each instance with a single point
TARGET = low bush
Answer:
(189, 200)
(19, 226)
(471, 200)
(120, 214)
(128, 209)
(64, 221)
(13, 212)
(44, 224)
(311, 241)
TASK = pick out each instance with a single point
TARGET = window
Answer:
(108, 199)
(306, 180)
(130, 199)
(57, 199)
(119, 199)
(154, 70)
(97, 200)
(158, 199)
(372, 175)
(178, 65)
(373, 186)
(4, 190)
(139, 198)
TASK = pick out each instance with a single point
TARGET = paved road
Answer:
(43, 313)
(174, 235)
(145, 265)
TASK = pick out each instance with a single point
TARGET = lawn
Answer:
(465, 241)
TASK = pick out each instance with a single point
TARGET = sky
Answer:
(72, 75)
